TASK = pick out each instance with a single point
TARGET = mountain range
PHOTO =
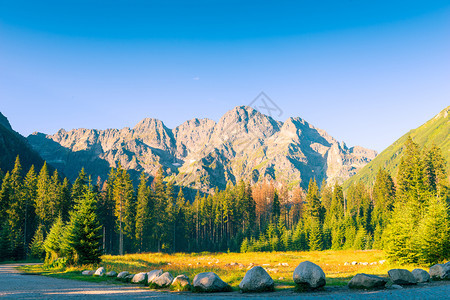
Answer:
(204, 154)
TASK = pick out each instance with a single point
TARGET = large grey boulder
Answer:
(122, 275)
(100, 272)
(210, 282)
(366, 281)
(111, 274)
(139, 278)
(402, 277)
(87, 273)
(440, 271)
(421, 275)
(164, 280)
(308, 275)
(152, 275)
(257, 280)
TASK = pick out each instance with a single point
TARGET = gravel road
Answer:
(13, 284)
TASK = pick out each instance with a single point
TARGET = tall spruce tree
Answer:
(85, 229)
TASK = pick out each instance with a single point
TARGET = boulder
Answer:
(111, 274)
(128, 278)
(100, 272)
(256, 280)
(402, 277)
(164, 280)
(152, 275)
(366, 281)
(139, 278)
(87, 273)
(395, 287)
(421, 275)
(440, 271)
(308, 275)
(122, 275)
(210, 282)
(181, 280)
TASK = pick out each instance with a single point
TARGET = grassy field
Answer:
(231, 267)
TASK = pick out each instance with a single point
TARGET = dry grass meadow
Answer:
(231, 267)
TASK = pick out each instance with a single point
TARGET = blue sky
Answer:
(365, 71)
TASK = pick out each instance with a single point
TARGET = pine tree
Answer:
(315, 236)
(79, 186)
(85, 229)
(37, 249)
(43, 199)
(144, 209)
(29, 195)
(52, 243)
(276, 211)
(123, 198)
(433, 238)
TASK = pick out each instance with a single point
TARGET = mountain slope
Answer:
(435, 131)
(13, 144)
(202, 154)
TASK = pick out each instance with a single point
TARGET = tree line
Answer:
(45, 215)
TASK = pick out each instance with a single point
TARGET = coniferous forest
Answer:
(46, 216)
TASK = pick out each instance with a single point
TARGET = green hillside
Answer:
(435, 131)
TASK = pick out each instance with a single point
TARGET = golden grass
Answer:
(332, 263)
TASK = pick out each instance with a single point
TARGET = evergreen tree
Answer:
(37, 249)
(52, 243)
(123, 198)
(85, 229)
(144, 209)
(29, 195)
(433, 238)
(43, 199)
(315, 236)
(276, 211)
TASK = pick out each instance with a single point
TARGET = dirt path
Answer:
(13, 284)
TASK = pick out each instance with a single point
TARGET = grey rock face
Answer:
(256, 280)
(181, 280)
(139, 278)
(210, 282)
(402, 277)
(100, 272)
(152, 275)
(205, 149)
(421, 275)
(366, 281)
(123, 274)
(87, 273)
(111, 274)
(440, 271)
(309, 276)
(164, 280)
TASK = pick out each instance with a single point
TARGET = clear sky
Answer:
(366, 71)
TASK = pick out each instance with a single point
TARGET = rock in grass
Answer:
(210, 282)
(181, 280)
(111, 274)
(440, 271)
(164, 280)
(402, 277)
(128, 278)
(100, 272)
(152, 275)
(308, 276)
(87, 273)
(122, 275)
(256, 280)
(139, 278)
(366, 281)
(421, 275)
